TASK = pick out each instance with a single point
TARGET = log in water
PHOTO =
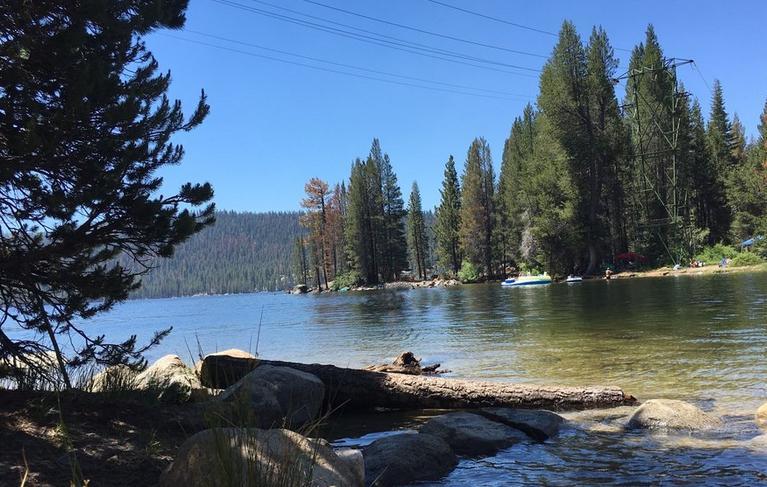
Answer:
(365, 389)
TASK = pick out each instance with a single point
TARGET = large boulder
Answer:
(170, 379)
(407, 458)
(220, 370)
(537, 423)
(472, 434)
(223, 457)
(672, 414)
(761, 416)
(275, 396)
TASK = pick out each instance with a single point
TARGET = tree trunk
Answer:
(364, 389)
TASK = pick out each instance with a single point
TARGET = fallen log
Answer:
(365, 389)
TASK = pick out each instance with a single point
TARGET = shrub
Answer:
(714, 254)
(468, 272)
(746, 258)
(348, 279)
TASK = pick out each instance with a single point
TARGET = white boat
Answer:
(574, 279)
(528, 280)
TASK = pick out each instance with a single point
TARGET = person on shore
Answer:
(723, 263)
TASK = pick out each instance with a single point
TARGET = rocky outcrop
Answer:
(672, 414)
(223, 457)
(472, 434)
(761, 416)
(113, 379)
(407, 458)
(170, 379)
(274, 396)
(536, 423)
(220, 370)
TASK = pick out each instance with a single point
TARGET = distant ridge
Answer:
(242, 252)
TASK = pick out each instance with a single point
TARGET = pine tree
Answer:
(85, 125)
(418, 241)
(316, 221)
(477, 207)
(394, 244)
(518, 148)
(719, 141)
(448, 221)
(300, 264)
(578, 99)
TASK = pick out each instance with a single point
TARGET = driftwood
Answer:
(365, 389)
(407, 363)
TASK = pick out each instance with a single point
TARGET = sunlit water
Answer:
(697, 338)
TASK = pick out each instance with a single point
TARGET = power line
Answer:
(496, 19)
(424, 31)
(330, 70)
(351, 66)
(697, 69)
(373, 32)
(401, 46)
(503, 21)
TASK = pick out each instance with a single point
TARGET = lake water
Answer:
(697, 338)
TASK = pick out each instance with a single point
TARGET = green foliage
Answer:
(346, 280)
(468, 272)
(85, 127)
(477, 207)
(448, 222)
(418, 242)
(715, 253)
(744, 259)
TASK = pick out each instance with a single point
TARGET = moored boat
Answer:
(528, 280)
(572, 279)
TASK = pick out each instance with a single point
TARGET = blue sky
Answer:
(273, 125)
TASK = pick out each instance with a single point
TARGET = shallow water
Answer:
(697, 338)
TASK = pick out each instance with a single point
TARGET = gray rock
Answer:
(170, 379)
(471, 434)
(407, 458)
(222, 457)
(671, 414)
(276, 396)
(354, 460)
(537, 423)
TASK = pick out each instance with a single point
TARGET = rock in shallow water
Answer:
(471, 434)
(672, 414)
(407, 458)
(537, 423)
(223, 457)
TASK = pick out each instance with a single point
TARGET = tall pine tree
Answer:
(477, 207)
(418, 241)
(448, 221)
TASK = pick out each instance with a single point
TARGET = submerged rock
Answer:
(472, 434)
(761, 416)
(222, 457)
(170, 379)
(407, 458)
(537, 423)
(672, 414)
(275, 396)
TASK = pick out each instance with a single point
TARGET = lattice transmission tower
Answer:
(661, 203)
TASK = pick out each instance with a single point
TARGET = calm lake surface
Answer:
(698, 338)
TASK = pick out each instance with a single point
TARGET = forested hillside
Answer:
(242, 252)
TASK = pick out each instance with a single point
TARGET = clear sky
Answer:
(273, 124)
